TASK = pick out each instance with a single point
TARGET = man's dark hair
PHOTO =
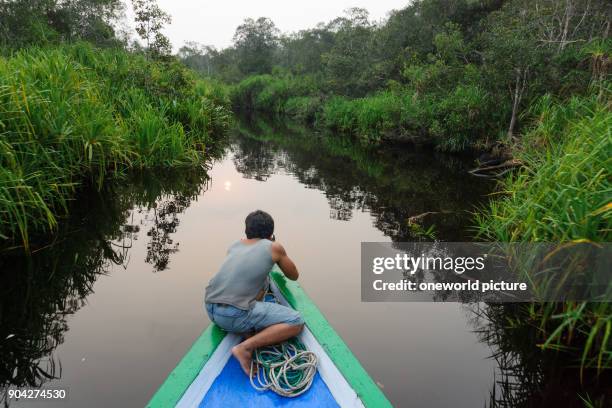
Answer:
(259, 224)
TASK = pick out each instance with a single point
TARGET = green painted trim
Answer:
(352, 370)
(171, 391)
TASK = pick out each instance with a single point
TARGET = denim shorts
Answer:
(258, 317)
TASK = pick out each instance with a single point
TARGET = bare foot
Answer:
(244, 357)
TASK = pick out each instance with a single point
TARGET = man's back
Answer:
(242, 275)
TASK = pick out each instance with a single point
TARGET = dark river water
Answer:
(109, 309)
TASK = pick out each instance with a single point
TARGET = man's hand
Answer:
(279, 255)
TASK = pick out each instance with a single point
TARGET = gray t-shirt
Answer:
(243, 274)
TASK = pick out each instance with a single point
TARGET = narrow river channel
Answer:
(111, 307)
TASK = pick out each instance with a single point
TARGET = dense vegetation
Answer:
(562, 194)
(458, 74)
(76, 113)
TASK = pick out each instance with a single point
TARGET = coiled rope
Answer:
(287, 369)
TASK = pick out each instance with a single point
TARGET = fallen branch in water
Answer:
(506, 166)
(415, 219)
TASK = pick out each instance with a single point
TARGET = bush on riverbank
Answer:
(561, 195)
(563, 192)
(74, 114)
(369, 119)
(455, 121)
(270, 94)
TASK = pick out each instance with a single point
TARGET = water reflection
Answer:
(526, 376)
(39, 292)
(394, 184)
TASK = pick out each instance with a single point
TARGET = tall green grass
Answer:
(270, 94)
(453, 121)
(75, 114)
(370, 119)
(561, 195)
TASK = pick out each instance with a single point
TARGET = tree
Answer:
(26, 22)
(347, 64)
(572, 21)
(198, 57)
(530, 45)
(511, 53)
(255, 42)
(301, 52)
(150, 20)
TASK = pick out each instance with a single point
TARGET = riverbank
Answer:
(561, 194)
(392, 115)
(77, 114)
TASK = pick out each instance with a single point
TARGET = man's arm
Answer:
(279, 255)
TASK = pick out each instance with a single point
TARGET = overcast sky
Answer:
(214, 22)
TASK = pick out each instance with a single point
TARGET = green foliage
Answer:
(255, 42)
(269, 94)
(273, 96)
(564, 191)
(35, 22)
(340, 114)
(213, 91)
(244, 94)
(150, 20)
(458, 74)
(303, 109)
(561, 195)
(370, 119)
(453, 121)
(459, 120)
(346, 63)
(74, 114)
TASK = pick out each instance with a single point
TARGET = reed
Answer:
(562, 194)
(457, 120)
(75, 114)
(369, 119)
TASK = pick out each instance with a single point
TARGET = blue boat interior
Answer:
(232, 388)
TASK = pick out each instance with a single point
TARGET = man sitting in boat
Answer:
(234, 295)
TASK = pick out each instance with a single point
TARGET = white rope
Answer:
(283, 362)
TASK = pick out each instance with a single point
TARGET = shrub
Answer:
(74, 113)
(244, 94)
(563, 192)
(460, 118)
(303, 108)
(562, 195)
(339, 114)
(269, 94)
